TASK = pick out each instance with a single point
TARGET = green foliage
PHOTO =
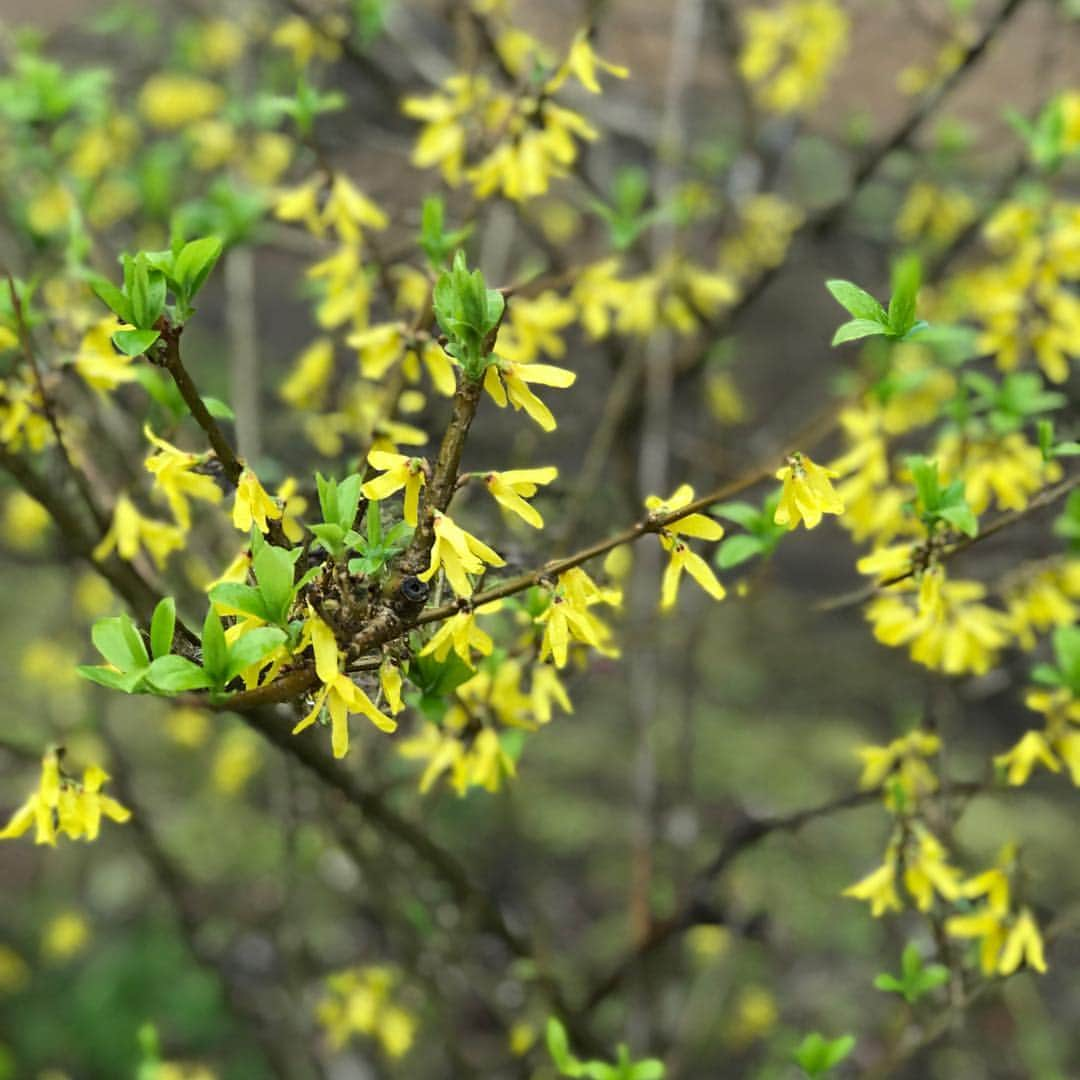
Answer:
(1066, 671)
(626, 216)
(915, 980)
(869, 318)
(1044, 135)
(274, 593)
(937, 504)
(762, 533)
(305, 106)
(436, 680)
(377, 548)
(148, 278)
(1050, 449)
(816, 1055)
(624, 1068)
(1067, 524)
(1012, 402)
(469, 314)
(436, 243)
(339, 503)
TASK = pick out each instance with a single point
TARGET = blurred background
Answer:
(203, 932)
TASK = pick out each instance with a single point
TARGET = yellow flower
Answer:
(348, 210)
(61, 805)
(926, 870)
(1031, 750)
(360, 1001)
(170, 101)
(301, 203)
(582, 62)
(568, 617)
(807, 493)
(461, 633)
(221, 43)
(65, 936)
(26, 521)
(390, 681)
(511, 489)
(339, 693)
(903, 763)
(682, 558)
(307, 383)
(547, 688)
(174, 476)
(306, 41)
(458, 553)
(130, 530)
(50, 210)
(789, 51)
(506, 380)
(98, 363)
(399, 472)
(236, 760)
(985, 924)
(1024, 945)
(878, 888)
(252, 504)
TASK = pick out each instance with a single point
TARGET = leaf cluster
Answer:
(469, 314)
(869, 318)
(936, 504)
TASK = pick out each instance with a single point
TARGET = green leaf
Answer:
(742, 513)
(126, 682)
(240, 597)
(274, 570)
(251, 648)
(135, 342)
(961, 517)
(112, 297)
(856, 329)
(147, 293)
(739, 549)
(924, 474)
(559, 1048)
(162, 626)
(176, 674)
(857, 302)
(118, 640)
(888, 983)
(816, 1055)
(906, 278)
(194, 263)
(348, 500)
(218, 409)
(215, 650)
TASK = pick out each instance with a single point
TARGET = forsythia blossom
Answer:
(62, 805)
(807, 493)
(459, 554)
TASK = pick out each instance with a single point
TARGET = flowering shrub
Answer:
(397, 596)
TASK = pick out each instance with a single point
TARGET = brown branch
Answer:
(82, 482)
(174, 365)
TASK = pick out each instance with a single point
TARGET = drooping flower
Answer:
(506, 380)
(252, 504)
(807, 493)
(398, 471)
(683, 558)
(459, 554)
(174, 475)
(511, 489)
(61, 805)
(339, 693)
(130, 531)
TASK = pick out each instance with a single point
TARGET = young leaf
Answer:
(112, 298)
(907, 275)
(134, 342)
(176, 674)
(162, 626)
(255, 646)
(215, 650)
(194, 263)
(240, 597)
(961, 517)
(118, 640)
(857, 302)
(856, 329)
(736, 550)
